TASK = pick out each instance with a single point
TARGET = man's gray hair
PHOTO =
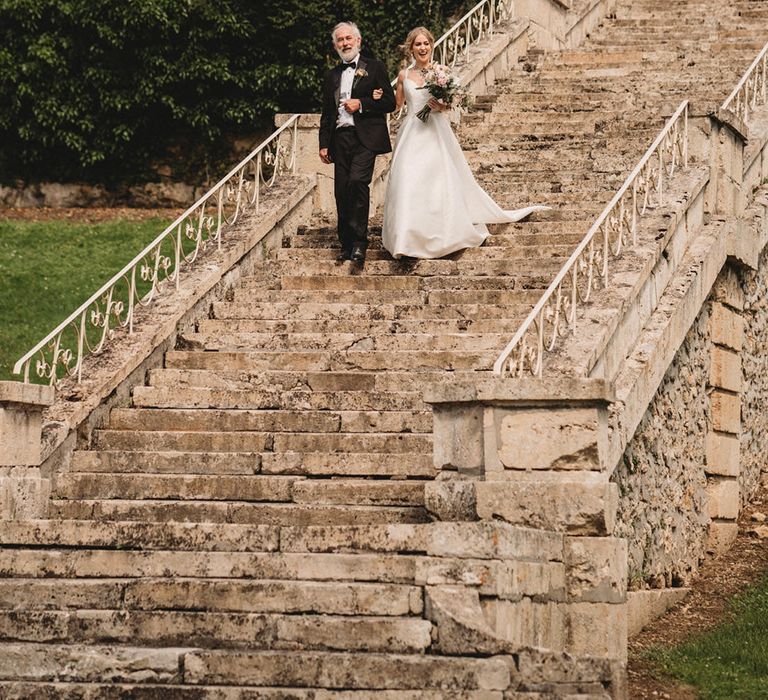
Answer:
(351, 25)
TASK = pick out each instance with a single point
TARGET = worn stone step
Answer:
(415, 360)
(203, 537)
(233, 341)
(280, 671)
(42, 690)
(507, 324)
(415, 465)
(310, 463)
(266, 311)
(181, 441)
(288, 489)
(218, 630)
(240, 379)
(213, 595)
(494, 248)
(276, 421)
(95, 485)
(246, 294)
(231, 512)
(200, 397)
(111, 563)
(141, 461)
(239, 441)
(348, 671)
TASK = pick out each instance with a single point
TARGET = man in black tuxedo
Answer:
(353, 131)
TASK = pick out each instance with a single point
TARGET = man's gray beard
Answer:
(352, 54)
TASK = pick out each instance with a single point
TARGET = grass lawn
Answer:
(49, 268)
(731, 661)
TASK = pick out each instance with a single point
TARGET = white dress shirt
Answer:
(345, 93)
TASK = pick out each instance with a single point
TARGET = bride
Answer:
(433, 204)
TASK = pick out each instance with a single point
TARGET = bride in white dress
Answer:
(433, 205)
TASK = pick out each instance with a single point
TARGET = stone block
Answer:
(643, 607)
(727, 289)
(458, 437)
(21, 407)
(24, 494)
(725, 369)
(726, 327)
(492, 540)
(527, 623)
(722, 451)
(726, 412)
(596, 569)
(550, 438)
(721, 535)
(451, 500)
(724, 499)
(582, 504)
(596, 629)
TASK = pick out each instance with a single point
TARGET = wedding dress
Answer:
(433, 204)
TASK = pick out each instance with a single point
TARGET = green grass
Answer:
(731, 661)
(47, 269)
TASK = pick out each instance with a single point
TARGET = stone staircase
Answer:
(257, 518)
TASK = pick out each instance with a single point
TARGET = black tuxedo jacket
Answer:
(371, 123)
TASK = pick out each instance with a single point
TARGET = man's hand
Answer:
(352, 105)
(325, 156)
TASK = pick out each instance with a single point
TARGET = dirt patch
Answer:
(86, 215)
(715, 585)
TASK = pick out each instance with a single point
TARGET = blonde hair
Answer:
(407, 47)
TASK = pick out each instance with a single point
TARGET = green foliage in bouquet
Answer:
(115, 92)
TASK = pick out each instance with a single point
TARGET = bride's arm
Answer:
(399, 92)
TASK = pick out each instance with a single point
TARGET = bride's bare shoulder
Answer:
(401, 75)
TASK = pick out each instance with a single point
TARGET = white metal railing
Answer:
(87, 330)
(555, 314)
(752, 89)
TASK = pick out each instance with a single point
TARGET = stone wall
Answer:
(754, 362)
(662, 485)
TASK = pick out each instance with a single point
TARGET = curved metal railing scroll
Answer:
(752, 89)
(588, 268)
(158, 267)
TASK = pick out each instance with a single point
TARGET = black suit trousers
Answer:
(353, 171)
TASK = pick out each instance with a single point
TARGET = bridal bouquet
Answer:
(443, 86)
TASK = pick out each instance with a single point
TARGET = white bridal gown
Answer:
(434, 205)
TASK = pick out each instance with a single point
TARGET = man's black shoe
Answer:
(358, 255)
(343, 255)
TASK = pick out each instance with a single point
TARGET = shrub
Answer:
(114, 92)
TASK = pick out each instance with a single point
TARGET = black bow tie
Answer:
(351, 64)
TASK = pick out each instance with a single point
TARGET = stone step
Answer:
(112, 563)
(279, 672)
(212, 595)
(415, 360)
(330, 327)
(42, 690)
(281, 514)
(232, 488)
(392, 381)
(349, 671)
(494, 248)
(247, 441)
(427, 284)
(312, 311)
(201, 397)
(250, 293)
(223, 463)
(276, 421)
(186, 537)
(233, 341)
(218, 630)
